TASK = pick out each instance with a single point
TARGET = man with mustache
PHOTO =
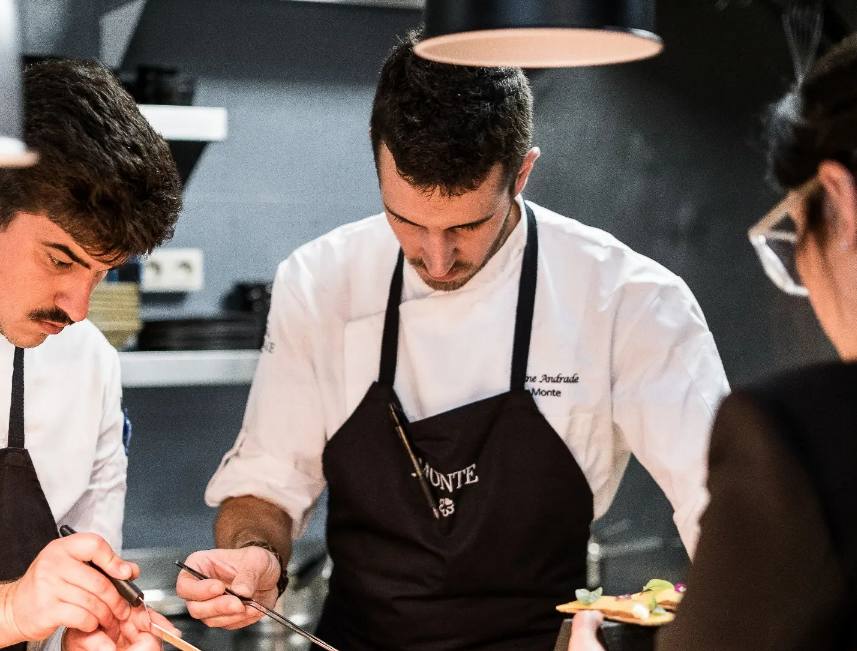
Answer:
(522, 356)
(105, 188)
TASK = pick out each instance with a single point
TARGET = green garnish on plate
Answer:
(656, 585)
(584, 596)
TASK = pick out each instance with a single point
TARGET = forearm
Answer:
(243, 519)
(9, 633)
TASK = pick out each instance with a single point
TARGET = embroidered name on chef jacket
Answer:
(554, 384)
(450, 482)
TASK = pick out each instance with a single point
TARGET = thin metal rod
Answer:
(263, 609)
(289, 624)
(418, 473)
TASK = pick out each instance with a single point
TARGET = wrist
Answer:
(9, 632)
(283, 578)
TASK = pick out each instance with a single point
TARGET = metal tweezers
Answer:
(264, 610)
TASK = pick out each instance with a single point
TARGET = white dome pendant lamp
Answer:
(538, 33)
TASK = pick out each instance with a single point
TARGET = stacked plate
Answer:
(115, 309)
(235, 331)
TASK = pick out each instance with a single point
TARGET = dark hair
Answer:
(103, 175)
(816, 121)
(447, 126)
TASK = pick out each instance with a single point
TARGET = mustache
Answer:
(457, 267)
(54, 314)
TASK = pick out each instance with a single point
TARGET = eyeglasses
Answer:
(775, 239)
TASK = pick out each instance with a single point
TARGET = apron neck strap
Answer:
(390, 340)
(523, 316)
(16, 406)
(526, 304)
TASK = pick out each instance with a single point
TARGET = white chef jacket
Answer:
(621, 360)
(73, 425)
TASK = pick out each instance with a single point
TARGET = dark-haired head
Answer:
(816, 121)
(813, 154)
(447, 126)
(103, 175)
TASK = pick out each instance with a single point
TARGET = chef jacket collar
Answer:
(504, 262)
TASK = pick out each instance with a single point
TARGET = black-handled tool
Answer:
(273, 614)
(134, 596)
(130, 592)
(396, 418)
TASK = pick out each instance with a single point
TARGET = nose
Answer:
(73, 299)
(439, 253)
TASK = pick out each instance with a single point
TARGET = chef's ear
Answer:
(526, 167)
(841, 190)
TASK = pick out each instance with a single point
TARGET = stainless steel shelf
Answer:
(187, 368)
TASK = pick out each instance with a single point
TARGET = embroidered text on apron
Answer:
(516, 514)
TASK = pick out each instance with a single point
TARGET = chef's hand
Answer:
(584, 629)
(250, 571)
(60, 589)
(131, 634)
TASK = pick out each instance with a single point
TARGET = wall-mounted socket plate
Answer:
(172, 270)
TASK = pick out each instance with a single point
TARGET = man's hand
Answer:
(133, 634)
(251, 571)
(60, 589)
(584, 629)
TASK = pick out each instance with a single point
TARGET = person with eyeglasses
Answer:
(776, 564)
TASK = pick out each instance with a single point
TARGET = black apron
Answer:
(511, 543)
(26, 521)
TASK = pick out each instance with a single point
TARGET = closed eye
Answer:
(59, 264)
(472, 226)
(468, 227)
(399, 220)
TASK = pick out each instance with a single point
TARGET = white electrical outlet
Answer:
(172, 270)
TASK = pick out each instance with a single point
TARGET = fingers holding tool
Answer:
(229, 577)
(70, 583)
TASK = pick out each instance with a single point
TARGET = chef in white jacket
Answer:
(105, 188)
(525, 354)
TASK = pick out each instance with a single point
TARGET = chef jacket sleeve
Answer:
(277, 456)
(667, 381)
(102, 506)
